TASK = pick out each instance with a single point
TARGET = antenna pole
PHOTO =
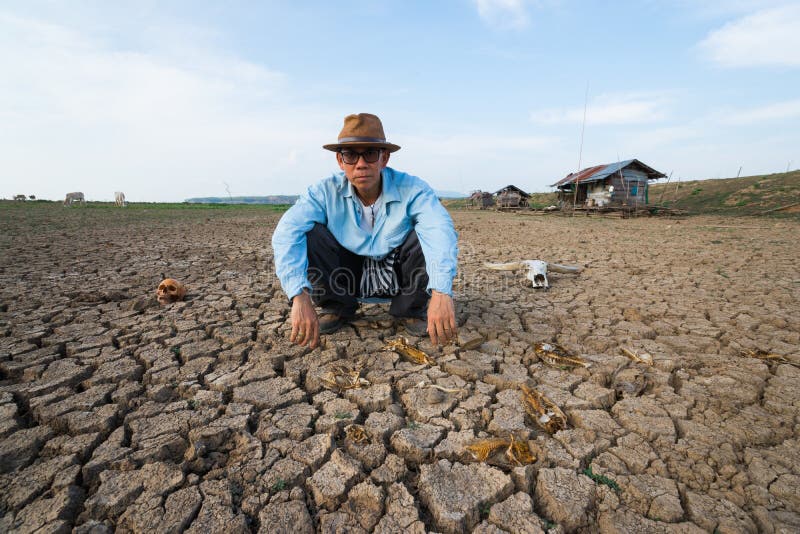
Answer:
(580, 151)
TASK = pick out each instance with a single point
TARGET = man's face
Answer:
(364, 176)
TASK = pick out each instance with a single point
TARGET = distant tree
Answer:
(32, 197)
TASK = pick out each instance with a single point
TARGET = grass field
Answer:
(53, 214)
(146, 205)
(749, 195)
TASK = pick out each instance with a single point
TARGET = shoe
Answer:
(330, 323)
(416, 326)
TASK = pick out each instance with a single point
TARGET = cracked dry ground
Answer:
(116, 414)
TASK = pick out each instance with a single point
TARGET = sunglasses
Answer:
(370, 155)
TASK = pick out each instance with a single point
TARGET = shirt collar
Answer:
(389, 190)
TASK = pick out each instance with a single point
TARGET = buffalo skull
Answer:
(536, 270)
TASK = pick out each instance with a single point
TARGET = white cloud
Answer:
(766, 38)
(629, 108)
(503, 13)
(778, 111)
(81, 114)
(713, 9)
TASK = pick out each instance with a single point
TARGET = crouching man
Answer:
(367, 232)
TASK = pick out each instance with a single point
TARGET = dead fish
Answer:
(516, 451)
(558, 356)
(765, 356)
(638, 357)
(543, 411)
(413, 354)
(484, 448)
(519, 452)
(356, 434)
(339, 378)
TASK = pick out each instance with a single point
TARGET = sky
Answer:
(171, 100)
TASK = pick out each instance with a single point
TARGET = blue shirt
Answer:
(408, 204)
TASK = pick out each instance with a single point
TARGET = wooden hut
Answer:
(616, 185)
(511, 197)
(480, 200)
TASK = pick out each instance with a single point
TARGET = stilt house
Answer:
(621, 184)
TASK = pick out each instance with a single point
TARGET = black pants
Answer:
(335, 274)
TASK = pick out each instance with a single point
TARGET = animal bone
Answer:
(170, 291)
(424, 384)
(413, 354)
(638, 357)
(558, 356)
(537, 270)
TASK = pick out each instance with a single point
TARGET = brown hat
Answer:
(362, 130)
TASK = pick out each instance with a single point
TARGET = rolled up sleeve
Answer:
(438, 239)
(289, 242)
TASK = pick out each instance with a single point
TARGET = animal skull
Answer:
(537, 273)
(536, 270)
(170, 291)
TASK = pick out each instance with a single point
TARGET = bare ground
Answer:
(116, 414)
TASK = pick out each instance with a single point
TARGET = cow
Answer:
(119, 199)
(74, 197)
(19, 197)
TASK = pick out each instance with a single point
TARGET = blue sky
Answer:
(170, 100)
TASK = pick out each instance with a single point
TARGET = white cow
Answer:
(74, 197)
(119, 199)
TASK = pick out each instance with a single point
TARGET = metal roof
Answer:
(600, 172)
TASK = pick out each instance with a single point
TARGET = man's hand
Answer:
(305, 325)
(441, 318)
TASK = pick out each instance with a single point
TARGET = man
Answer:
(367, 232)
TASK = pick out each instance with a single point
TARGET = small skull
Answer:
(170, 291)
